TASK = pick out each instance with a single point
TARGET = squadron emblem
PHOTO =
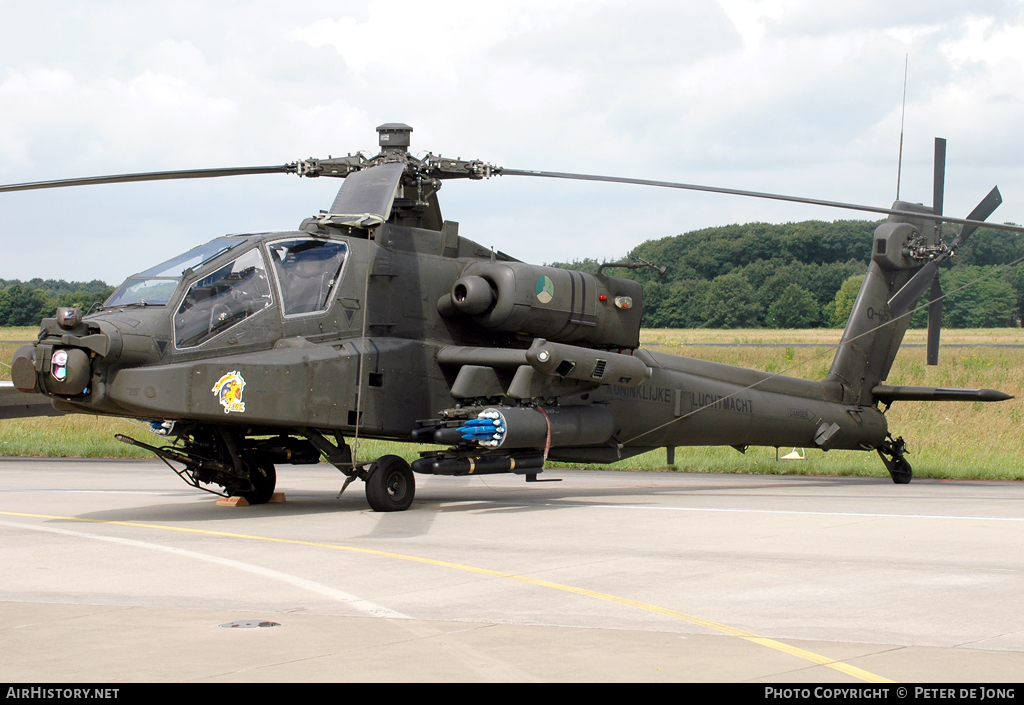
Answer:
(229, 392)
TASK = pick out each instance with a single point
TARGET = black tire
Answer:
(901, 472)
(263, 477)
(390, 485)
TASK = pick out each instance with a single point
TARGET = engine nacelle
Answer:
(561, 305)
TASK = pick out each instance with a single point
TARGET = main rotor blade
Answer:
(501, 171)
(152, 176)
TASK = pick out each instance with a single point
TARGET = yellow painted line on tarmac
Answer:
(698, 621)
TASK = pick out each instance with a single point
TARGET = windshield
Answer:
(156, 285)
(151, 292)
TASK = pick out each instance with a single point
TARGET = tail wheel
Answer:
(390, 485)
(897, 465)
(901, 472)
(263, 477)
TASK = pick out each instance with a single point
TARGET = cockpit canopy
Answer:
(307, 271)
(155, 286)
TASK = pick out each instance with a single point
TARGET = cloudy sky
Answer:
(789, 96)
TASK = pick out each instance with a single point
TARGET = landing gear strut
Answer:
(250, 475)
(898, 467)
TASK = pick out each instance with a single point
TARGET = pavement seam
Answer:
(987, 638)
(744, 510)
(67, 619)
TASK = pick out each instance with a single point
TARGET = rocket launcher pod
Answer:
(528, 427)
(488, 429)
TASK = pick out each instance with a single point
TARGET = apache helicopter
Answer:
(376, 319)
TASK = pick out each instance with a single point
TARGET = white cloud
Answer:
(429, 42)
(988, 42)
(750, 17)
(111, 121)
(789, 96)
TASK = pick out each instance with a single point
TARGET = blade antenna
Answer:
(903, 113)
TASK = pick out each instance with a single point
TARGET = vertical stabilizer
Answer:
(872, 336)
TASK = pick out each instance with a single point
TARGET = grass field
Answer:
(946, 440)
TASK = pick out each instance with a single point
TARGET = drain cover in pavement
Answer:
(250, 624)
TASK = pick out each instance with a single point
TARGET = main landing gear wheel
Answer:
(390, 485)
(263, 477)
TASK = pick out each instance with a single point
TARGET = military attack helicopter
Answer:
(376, 319)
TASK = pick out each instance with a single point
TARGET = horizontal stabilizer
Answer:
(16, 404)
(889, 393)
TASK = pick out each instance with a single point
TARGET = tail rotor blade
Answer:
(938, 175)
(934, 322)
(982, 211)
(913, 289)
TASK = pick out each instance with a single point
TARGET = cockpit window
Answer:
(155, 286)
(221, 300)
(307, 270)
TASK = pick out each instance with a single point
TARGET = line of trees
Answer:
(758, 275)
(806, 275)
(26, 303)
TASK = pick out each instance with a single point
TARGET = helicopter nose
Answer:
(64, 371)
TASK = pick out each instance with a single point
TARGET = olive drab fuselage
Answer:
(308, 369)
(377, 319)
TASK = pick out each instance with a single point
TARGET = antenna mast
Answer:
(899, 163)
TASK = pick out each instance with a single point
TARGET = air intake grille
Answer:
(599, 369)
